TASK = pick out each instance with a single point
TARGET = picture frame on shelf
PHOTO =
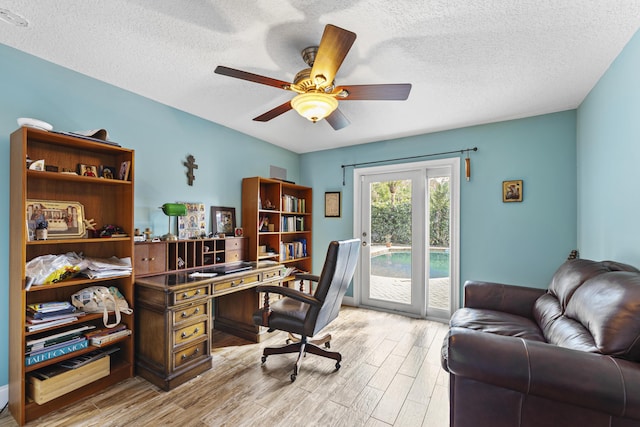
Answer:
(193, 224)
(64, 219)
(107, 172)
(223, 220)
(512, 191)
(239, 232)
(123, 174)
(87, 170)
(332, 204)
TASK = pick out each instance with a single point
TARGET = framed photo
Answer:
(65, 220)
(512, 191)
(239, 232)
(87, 170)
(223, 220)
(193, 224)
(332, 204)
(107, 172)
(123, 174)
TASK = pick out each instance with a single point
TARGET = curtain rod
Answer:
(355, 165)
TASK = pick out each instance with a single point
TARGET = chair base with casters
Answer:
(305, 315)
(302, 347)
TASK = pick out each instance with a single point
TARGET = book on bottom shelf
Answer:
(52, 354)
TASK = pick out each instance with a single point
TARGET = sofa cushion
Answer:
(496, 322)
(608, 306)
(571, 275)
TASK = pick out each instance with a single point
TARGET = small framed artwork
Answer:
(62, 219)
(123, 174)
(192, 225)
(332, 204)
(107, 172)
(87, 170)
(512, 191)
(239, 232)
(223, 220)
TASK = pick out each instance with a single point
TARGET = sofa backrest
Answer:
(593, 306)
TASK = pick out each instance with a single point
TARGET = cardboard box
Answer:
(43, 391)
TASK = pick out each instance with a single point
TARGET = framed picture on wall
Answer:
(512, 191)
(223, 220)
(332, 204)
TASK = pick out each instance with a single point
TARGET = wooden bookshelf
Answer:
(106, 201)
(276, 216)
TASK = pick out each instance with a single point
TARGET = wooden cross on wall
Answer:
(191, 165)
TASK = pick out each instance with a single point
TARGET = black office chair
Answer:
(305, 314)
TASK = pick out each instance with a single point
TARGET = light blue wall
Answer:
(608, 149)
(520, 243)
(161, 136)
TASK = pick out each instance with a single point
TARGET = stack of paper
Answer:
(107, 267)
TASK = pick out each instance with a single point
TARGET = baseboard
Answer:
(4, 395)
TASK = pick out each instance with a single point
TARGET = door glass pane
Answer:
(390, 278)
(439, 243)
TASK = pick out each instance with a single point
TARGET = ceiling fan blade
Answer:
(273, 113)
(337, 120)
(391, 92)
(256, 78)
(333, 48)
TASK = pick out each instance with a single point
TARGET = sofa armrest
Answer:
(589, 380)
(511, 299)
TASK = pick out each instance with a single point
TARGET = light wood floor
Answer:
(390, 376)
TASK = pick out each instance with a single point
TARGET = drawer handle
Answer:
(185, 315)
(238, 283)
(194, 354)
(187, 296)
(195, 332)
(148, 259)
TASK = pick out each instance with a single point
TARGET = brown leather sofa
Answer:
(566, 356)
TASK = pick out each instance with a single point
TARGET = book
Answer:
(54, 346)
(106, 339)
(104, 331)
(49, 306)
(86, 358)
(44, 325)
(60, 335)
(58, 352)
(51, 313)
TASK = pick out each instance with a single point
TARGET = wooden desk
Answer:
(174, 320)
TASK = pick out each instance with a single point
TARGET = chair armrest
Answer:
(589, 380)
(289, 292)
(306, 276)
(497, 296)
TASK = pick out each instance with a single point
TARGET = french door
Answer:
(407, 219)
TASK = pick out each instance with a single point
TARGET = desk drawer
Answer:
(190, 354)
(190, 312)
(233, 256)
(243, 281)
(191, 294)
(189, 333)
(271, 275)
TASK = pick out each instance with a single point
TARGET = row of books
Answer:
(293, 250)
(292, 223)
(293, 204)
(56, 345)
(55, 313)
(101, 337)
(71, 340)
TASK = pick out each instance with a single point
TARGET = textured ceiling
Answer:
(470, 62)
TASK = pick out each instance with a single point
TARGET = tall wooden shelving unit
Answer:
(287, 208)
(107, 201)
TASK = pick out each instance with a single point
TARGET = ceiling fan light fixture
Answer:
(314, 106)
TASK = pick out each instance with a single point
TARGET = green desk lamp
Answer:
(173, 209)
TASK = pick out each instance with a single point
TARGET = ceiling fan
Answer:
(317, 93)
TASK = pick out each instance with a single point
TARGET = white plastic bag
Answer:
(47, 269)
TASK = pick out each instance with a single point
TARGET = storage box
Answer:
(43, 391)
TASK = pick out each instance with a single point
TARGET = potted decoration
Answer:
(41, 228)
